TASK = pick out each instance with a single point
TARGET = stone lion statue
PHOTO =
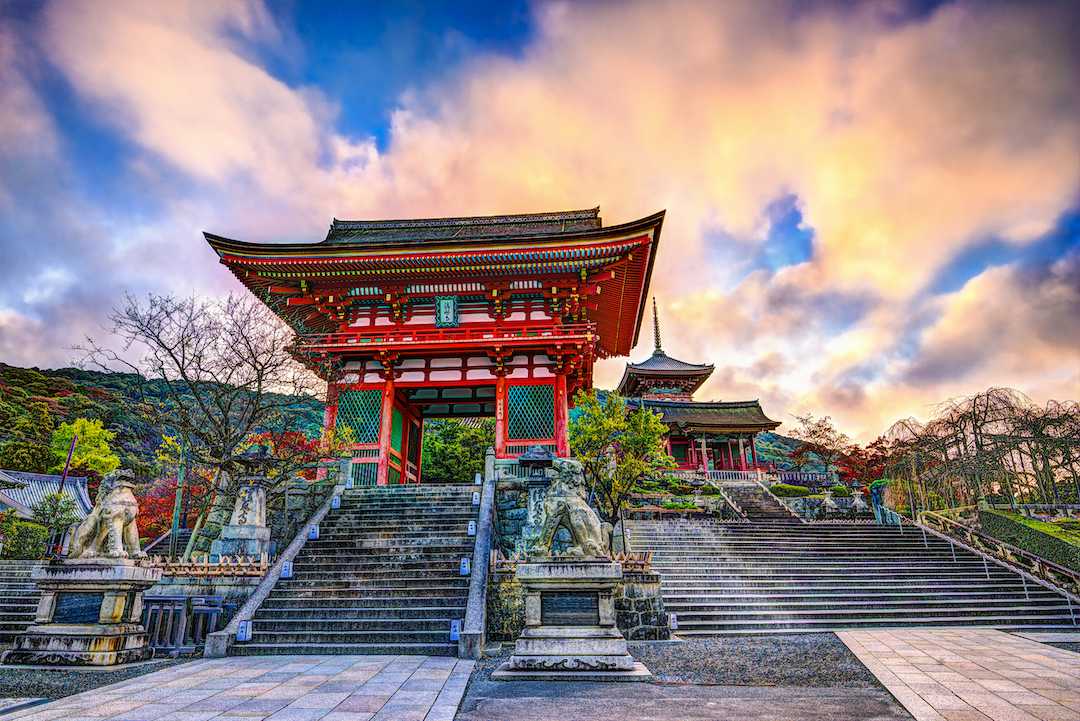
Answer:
(565, 507)
(110, 531)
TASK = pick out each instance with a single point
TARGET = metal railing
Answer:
(1064, 578)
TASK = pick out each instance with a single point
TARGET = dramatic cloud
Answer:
(823, 169)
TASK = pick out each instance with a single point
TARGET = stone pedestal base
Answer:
(570, 631)
(242, 541)
(90, 614)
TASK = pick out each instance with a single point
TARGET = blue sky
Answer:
(871, 206)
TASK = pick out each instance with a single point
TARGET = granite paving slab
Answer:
(991, 674)
(275, 688)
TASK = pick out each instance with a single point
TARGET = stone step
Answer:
(738, 579)
(254, 648)
(351, 603)
(384, 577)
(318, 610)
(346, 628)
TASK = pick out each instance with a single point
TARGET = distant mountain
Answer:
(112, 398)
(775, 448)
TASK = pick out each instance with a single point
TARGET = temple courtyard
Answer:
(951, 674)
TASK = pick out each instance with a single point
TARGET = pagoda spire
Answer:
(656, 326)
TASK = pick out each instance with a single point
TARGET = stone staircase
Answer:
(18, 599)
(759, 506)
(384, 577)
(762, 577)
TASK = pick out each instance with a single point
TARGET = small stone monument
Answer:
(246, 534)
(90, 613)
(570, 631)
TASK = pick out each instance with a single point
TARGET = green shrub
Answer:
(783, 490)
(1068, 524)
(841, 492)
(23, 540)
(679, 504)
(1042, 539)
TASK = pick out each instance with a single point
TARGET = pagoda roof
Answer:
(366, 258)
(661, 365)
(713, 416)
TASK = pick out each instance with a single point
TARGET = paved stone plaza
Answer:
(280, 688)
(940, 674)
(971, 674)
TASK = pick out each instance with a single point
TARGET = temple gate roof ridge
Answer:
(515, 225)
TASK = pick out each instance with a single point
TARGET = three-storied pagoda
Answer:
(488, 316)
(713, 435)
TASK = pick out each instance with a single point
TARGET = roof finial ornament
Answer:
(656, 326)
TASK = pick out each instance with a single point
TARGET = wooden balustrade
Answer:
(223, 566)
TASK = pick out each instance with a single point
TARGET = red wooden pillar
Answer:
(753, 449)
(386, 421)
(500, 416)
(562, 415)
(742, 455)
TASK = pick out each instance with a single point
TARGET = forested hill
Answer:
(71, 393)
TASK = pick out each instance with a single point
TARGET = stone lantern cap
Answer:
(537, 462)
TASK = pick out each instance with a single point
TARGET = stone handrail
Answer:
(474, 630)
(765, 487)
(728, 499)
(1016, 559)
(219, 642)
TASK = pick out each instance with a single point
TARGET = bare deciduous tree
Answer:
(214, 371)
(997, 445)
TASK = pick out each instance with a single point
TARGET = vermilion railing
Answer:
(391, 336)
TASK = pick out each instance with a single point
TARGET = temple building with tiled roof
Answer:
(714, 435)
(498, 316)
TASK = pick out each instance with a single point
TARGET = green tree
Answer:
(454, 451)
(21, 539)
(30, 450)
(618, 450)
(56, 512)
(92, 448)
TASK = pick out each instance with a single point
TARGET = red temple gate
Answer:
(499, 316)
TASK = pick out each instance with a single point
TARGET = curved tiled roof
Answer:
(661, 361)
(31, 489)
(491, 226)
(660, 364)
(715, 415)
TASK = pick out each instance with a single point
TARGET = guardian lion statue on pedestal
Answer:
(110, 531)
(565, 507)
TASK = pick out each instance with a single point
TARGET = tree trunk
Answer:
(219, 514)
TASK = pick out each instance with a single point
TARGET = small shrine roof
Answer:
(710, 416)
(24, 490)
(493, 226)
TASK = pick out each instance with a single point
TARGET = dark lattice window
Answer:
(414, 444)
(397, 421)
(361, 411)
(530, 412)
